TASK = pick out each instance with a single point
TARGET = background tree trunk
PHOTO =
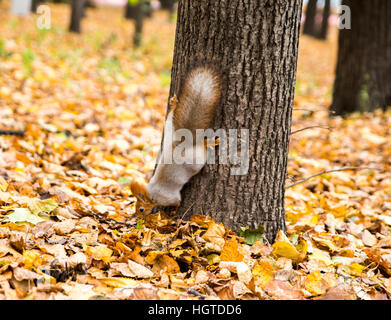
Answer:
(325, 21)
(258, 58)
(363, 75)
(167, 4)
(310, 14)
(90, 4)
(34, 5)
(130, 11)
(170, 6)
(77, 11)
(138, 24)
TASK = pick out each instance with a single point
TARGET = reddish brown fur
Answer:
(144, 205)
(193, 109)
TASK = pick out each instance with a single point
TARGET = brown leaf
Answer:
(139, 270)
(340, 292)
(24, 274)
(368, 238)
(282, 290)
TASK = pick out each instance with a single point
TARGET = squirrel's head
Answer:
(144, 204)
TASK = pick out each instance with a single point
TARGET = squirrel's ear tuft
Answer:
(144, 205)
(173, 102)
(141, 196)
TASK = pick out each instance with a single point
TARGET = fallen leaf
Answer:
(315, 283)
(368, 238)
(139, 271)
(99, 253)
(282, 290)
(263, 273)
(231, 251)
(24, 215)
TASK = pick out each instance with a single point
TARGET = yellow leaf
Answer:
(285, 249)
(302, 249)
(99, 253)
(3, 185)
(213, 258)
(24, 215)
(32, 259)
(37, 206)
(320, 256)
(263, 273)
(177, 252)
(152, 256)
(315, 284)
(120, 282)
(310, 220)
(339, 212)
(327, 243)
(356, 269)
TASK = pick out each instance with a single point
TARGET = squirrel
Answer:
(193, 109)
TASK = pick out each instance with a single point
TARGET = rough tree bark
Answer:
(77, 12)
(363, 75)
(255, 43)
(325, 21)
(310, 14)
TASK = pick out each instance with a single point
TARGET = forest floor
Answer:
(92, 108)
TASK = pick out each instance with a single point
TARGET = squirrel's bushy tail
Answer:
(193, 109)
(198, 99)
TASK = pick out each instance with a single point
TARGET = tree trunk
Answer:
(34, 5)
(310, 14)
(254, 43)
(167, 4)
(90, 4)
(170, 6)
(147, 10)
(138, 24)
(363, 75)
(84, 11)
(77, 12)
(325, 21)
(130, 11)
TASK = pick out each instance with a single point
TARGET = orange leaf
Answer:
(230, 251)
